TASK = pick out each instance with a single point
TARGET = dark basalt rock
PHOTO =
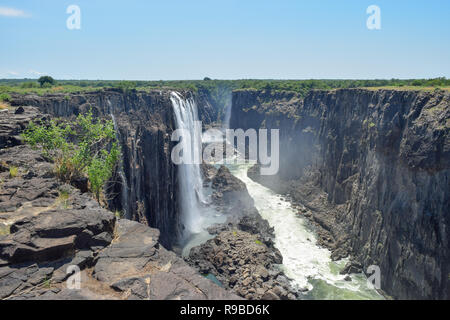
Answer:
(12, 124)
(242, 255)
(138, 267)
(243, 263)
(145, 122)
(371, 167)
(230, 193)
(42, 234)
(352, 267)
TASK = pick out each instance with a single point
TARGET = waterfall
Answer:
(189, 175)
(124, 193)
(226, 121)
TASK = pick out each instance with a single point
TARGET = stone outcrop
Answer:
(147, 191)
(242, 255)
(47, 226)
(243, 263)
(230, 193)
(371, 169)
(12, 122)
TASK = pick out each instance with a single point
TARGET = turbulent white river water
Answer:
(304, 261)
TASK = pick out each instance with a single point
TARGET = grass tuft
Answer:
(63, 198)
(13, 172)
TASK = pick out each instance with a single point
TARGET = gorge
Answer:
(363, 181)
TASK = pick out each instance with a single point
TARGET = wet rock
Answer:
(241, 262)
(352, 267)
(358, 159)
(231, 192)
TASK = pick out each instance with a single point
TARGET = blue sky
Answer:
(229, 39)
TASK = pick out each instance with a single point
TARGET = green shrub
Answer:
(85, 147)
(5, 97)
(13, 172)
(63, 198)
(126, 86)
(29, 85)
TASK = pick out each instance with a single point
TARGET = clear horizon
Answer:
(177, 40)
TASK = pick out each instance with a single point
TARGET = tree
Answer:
(46, 79)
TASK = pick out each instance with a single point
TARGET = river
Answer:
(304, 261)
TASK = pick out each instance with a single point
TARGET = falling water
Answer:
(189, 175)
(304, 261)
(226, 122)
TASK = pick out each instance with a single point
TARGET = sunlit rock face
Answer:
(374, 167)
(145, 122)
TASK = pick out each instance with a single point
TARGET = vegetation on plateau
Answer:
(83, 148)
(217, 90)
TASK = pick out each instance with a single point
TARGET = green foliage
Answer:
(47, 283)
(28, 85)
(119, 214)
(13, 171)
(63, 198)
(101, 168)
(4, 229)
(85, 147)
(217, 90)
(5, 97)
(126, 85)
(50, 137)
(46, 81)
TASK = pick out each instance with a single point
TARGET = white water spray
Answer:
(226, 121)
(189, 175)
(307, 264)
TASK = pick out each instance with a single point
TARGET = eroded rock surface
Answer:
(370, 168)
(243, 263)
(47, 226)
(242, 255)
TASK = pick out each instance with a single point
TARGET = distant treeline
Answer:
(291, 85)
(219, 90)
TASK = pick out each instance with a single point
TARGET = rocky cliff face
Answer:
(147, 191)
(373, 167)
(48, 229)
(242, 255)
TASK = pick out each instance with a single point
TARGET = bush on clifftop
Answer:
(82, 148)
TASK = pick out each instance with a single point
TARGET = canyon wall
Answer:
(373, 167)
(145, 122)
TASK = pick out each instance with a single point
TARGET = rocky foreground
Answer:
(47, 226)
(242, 255)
